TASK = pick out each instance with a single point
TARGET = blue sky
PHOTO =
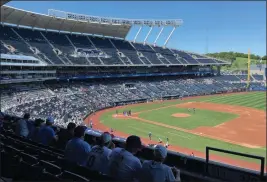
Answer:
(208, 26)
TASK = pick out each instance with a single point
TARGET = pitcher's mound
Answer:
(181, 115)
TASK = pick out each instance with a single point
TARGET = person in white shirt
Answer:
(123, 165)
(156, 171)
(99, 155)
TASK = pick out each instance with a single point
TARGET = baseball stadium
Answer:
(62, 68)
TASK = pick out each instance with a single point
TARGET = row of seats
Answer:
(25, 160)
(60, 48)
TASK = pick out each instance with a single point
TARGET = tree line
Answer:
(231, 56)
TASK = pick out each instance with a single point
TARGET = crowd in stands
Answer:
(119, 163)
(71, 102)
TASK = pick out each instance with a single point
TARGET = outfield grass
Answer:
(253, 99)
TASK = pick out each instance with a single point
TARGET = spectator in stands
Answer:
(65, 135)
(100, 154)
(22, 126)
(2, 117)
(35, 130)
(46, 134)
(156, 171)
(123, 165)
(77, 150)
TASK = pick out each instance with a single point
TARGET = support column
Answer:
(219, 70)
(138, 33)
(158, 36)
(169, 37)
(148, 35)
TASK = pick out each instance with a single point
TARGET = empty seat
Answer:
(9, 161)
(25, 171)
(47, 156)
(50, 167)
(46, 176)
(70, 176)
(92, 175)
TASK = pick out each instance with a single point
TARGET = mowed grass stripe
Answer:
(251, 101)
(213, 98)
(237, 96)
(226, 99)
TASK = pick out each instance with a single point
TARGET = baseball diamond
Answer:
(235, 121)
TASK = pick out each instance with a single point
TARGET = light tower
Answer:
(160, 23)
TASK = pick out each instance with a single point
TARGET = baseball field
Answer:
(234, 122)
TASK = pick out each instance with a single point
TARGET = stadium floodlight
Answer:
(158, 36)
(137, 33)
(169, 37)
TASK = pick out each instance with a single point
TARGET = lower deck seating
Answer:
(24, 160)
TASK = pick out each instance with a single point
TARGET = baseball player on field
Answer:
(150, 135)
(167, 143)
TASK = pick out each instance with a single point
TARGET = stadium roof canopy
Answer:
(2, 2)
(35, 20)
(71, 22)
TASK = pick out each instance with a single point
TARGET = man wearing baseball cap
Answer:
(156, 171)
(99, 155)
(123, 165)
(46, 134)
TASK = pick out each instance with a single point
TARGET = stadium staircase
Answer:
(36, 52)
(51, 53)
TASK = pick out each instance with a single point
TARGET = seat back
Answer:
(70, 176)
(50, 167)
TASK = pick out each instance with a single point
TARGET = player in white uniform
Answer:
(100, 154)
(123, 165)
(167, 143)
(156, 171)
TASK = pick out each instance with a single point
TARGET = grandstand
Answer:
(68, 66)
